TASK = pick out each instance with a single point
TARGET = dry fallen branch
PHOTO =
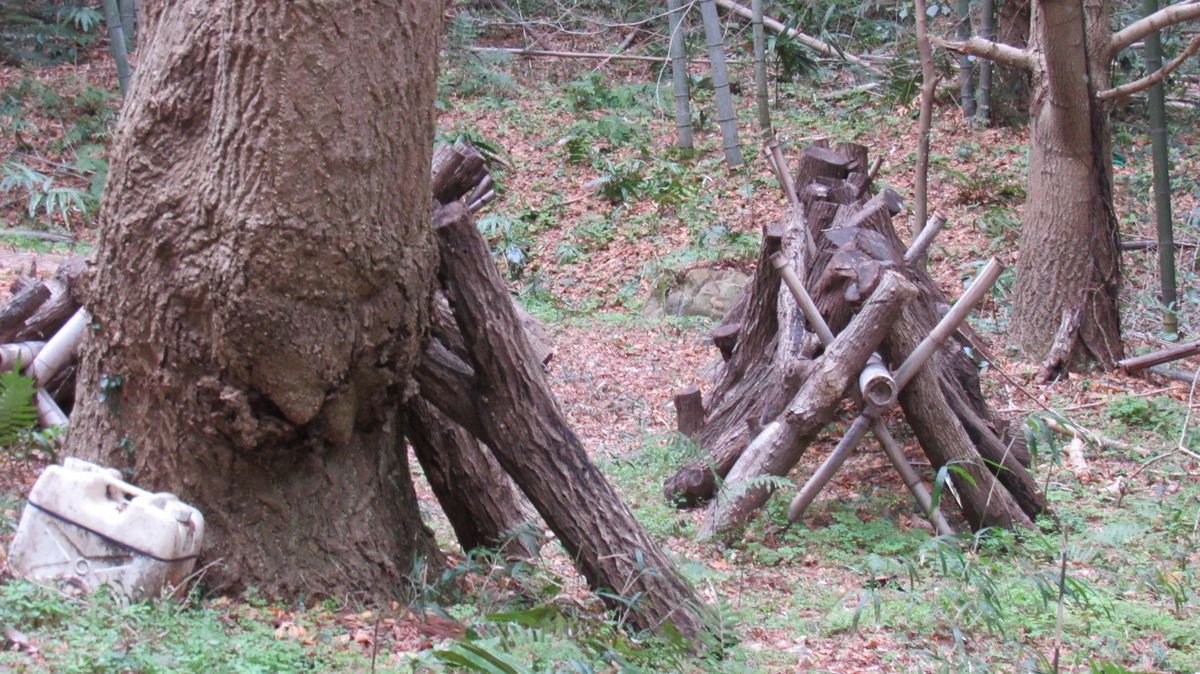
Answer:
(806, 40)
(1118, 94)
(994, 51)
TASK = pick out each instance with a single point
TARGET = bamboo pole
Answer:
(48, 411)
(679, 76)
(726, 117)
(876, 385)
(950, 322)
(129, 23)
(915, 254)
(59, 349)
(983, 95)
(116, 43)
(1162, 181)
(760, 70)
(925, 122)
(520, 51)
(915, 360)
(966, 69)
(857, 429)
(21, 353)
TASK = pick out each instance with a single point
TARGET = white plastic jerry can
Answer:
(84, 526)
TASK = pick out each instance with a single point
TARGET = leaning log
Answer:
(525, 428)
(782, 443)
(473, 490)
(766, 363)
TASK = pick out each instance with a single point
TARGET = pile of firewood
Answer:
(41, 326)
(785, 373)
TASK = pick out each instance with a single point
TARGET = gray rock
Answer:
(700, 291)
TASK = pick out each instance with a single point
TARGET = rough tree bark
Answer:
(261, 284)
(1068, 274)
(1068, 277)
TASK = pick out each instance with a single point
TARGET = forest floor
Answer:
(595, 212)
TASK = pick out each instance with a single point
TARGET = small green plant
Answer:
(1160, 414)
(17, 412)
(43, 195)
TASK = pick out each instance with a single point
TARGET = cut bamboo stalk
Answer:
(549, 53)
(19, 354)
(1178, 375)
(806, 40)
(950, 322)
(726, 116)
(1137, 363)
(679, 76)
(48, 411)
(116, 40)
(59, 350)
(910, 478)
(775, 152)
(876, 385)
(916, 251)
(825, 472)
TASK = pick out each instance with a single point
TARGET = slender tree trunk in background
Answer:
(726, 116)
(966, 65)
(1069, 269)
(1162, 180)
(760, 70)
(983, 95)
(129, 23)
(116, 44)
(679, 75)
(261, 285)
(925, 122)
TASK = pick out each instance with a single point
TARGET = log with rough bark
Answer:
(782, 442)
(769, 358)
(477, 496)
(522, 423)
(38, 310)
(852, 246)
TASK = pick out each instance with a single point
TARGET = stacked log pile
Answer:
(40, 328)
(779, 385)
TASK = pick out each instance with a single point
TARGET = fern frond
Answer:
(17, 410)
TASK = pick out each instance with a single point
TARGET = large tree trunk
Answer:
(262, 282)
(1065, 307)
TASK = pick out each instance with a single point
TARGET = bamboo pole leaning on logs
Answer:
(782, 442)
(902, 376)
(769, 349)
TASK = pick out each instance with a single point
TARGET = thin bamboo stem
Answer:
(679, 76)
(726, 116)
(116, 44)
